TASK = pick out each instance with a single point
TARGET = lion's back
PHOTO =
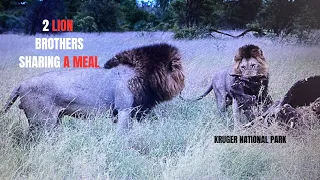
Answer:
(78, 83)
(223, 80)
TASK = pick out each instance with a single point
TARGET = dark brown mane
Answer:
(249, 51)
(159, 70)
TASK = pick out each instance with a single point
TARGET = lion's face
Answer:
(249, 67)
(250, 62)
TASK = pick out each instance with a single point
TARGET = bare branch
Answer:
(240, 35)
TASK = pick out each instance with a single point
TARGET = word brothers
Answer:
(250, 139)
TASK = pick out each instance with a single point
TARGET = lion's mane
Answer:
(159, 72)
(247, 52)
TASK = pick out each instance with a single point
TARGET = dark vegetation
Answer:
(187, 18)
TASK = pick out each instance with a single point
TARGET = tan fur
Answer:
(48, 97)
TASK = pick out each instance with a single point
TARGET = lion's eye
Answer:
(243, 67)
(253, 65)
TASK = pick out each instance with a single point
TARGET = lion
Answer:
(243, 85)
(48, 97)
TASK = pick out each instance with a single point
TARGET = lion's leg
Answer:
(39, 110)
(236, 114)
(47, 118)
(221, 101)
(40, 118)
(228, 100)
(124, 123)
(123, 103)
(114, 116)
(220, 94)
(222, 104)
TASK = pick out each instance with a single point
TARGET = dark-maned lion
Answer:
(233, 84)
(151, 79)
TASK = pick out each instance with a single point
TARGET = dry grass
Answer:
(176, 141)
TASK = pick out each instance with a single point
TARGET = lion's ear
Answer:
(261, 52)
(237, 58)
(262, 57)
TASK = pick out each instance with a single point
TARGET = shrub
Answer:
(10, 23)
(190, 33)
(85, 24)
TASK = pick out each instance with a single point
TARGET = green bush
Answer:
(164, 26)
(304, 23)
(85, 24)
(140, 25)
(10, 23)
(105, 15)
(190, 33)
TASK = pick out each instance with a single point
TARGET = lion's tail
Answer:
(200, 97)
(13, 97)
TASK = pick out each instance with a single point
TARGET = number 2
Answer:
(45, 22)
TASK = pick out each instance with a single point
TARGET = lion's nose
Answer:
(246, 74)
(249, 73)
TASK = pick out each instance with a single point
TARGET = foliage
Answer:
(37, 11)
(193, 13)
(71, 7)
(136, 18)
(10, 23)
(304, 23)
(85, 24)
(239, 13)
(116, 15)
(105, 14)
(283, 18)
(187, 18)
(190, 33)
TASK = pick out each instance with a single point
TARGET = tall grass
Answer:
(177, 140)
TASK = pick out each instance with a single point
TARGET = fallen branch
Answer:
(259, 31)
